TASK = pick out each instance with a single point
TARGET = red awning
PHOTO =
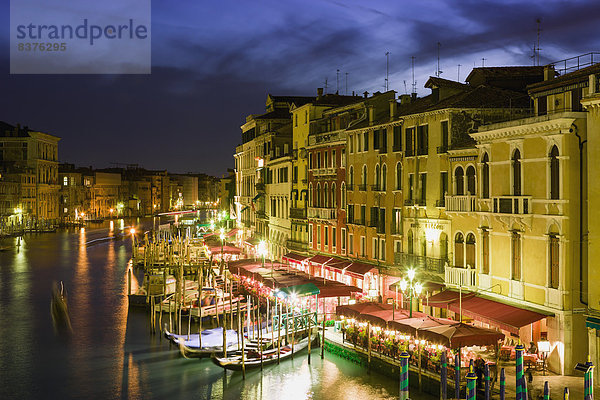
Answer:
(232, 232)
(227, 249)
(428, 286)
(443, 299)
(497, 314)
(359, 268)
(252, 241)
(293, 257)
(337, 264)
(319, 259)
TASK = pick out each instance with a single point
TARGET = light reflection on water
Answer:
(111, 354)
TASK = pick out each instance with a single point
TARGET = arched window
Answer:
(553, 258)
(363, 177)
(459, 181)
(459, 250)
(471, 180)
(384, 177)
(398, 176)
(333, 196)
(311, 199)
(318, 199)
(470, 250)
(343, 195)
(377, 177)
(423, 245)
(554, 174)
(410, 240)
(351, 177)
(443, 246)
(516, 164)
(485, 251)
(325, 195)
(515, 242)
(485, 171)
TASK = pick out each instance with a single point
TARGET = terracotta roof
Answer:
(440, 82)
(566, 79)
(506, 72)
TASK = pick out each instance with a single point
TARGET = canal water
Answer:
(111, 353)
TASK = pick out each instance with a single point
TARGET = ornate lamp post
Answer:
(262, 252)
(411, 288)
(222, 237)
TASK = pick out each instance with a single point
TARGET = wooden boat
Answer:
(253, 356)
(59, 310)
(212, 342)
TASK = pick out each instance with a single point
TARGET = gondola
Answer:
(253, 356)
(212, 342)
(59, 310)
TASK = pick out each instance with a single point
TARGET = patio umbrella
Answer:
(354, 310)
(460, 335)
(412, 325)
(382, 317)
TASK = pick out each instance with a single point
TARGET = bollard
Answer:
(404, 375)
(588, 391)
(519, 388)
(546, 391)
(487, 381)
(471, 384)
(502, 384)
(457, 375)
(443, 376)
(566, 394)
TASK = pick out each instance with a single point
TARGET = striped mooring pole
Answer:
(443, 376)
(566, 394)
(502, 384)
(487, 381)
(404, 375)
(546, 391)
(519, 372)
(457, 375)
(588, 386)
(471, 384)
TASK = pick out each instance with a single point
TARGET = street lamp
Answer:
(410, 288)
(222, 237)
(262, 251)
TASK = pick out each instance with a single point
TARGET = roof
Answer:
(297, 100)
(277, 113)
(434, 81)
(337, 100)
(319, 259)
(305, 289)
(359, 268)
(443, 299)
(8, 130)
(566, 79)
(506, 71)
(294, 257)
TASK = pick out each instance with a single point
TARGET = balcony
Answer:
(260, 186)
(511, 204)
(296, 245)
(409, 202)
(457, 276)
(298, 213)
(430, 264)
(324, 171)
(261, 215)
(409, 153)
(322, 213)
(350, 187)
(422, 151)
(460, 203)
(362, 187)
(357, 221)
(441, 203)
(377, 188)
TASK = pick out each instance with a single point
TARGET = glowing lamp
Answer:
(403, 285)
(132, 231)
(418, 288)
(543, 346)
(411, 274)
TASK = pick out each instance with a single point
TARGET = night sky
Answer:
(214, 62)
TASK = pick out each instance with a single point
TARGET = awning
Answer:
(294, 257)
(232, 232)
(306, 289)
(498, 314)
(460, 335)
(319, 259)
(443, 299)
(225, 249)
(428, 286)
(359, 268)
(252, 241)
(592, 322)
(337, 264)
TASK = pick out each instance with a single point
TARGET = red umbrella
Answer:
(460, 335)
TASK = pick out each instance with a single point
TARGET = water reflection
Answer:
(111, 353)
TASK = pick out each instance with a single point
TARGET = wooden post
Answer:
(323, 340)
(239, 330)
(279, 319)
(170, 317)
(309, 338)
(420, 369)
(243, 348)
(260, 341)
(224, 340)
(129, 272)
(293, 333)
(369, 347)
(231, 303)
(273, 325)
(151, 313)
(200, 287)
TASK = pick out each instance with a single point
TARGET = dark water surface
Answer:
(111, 353)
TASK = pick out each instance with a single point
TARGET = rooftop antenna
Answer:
(405, 89)
(346, 84)
(387, 70)
(458, 75)
(337, 81)
(439, 71)
(482, 61)
(537, 49)
(325, 85)
(414, 83)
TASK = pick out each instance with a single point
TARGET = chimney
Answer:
(404, 99)
(319, 92)
(366, 94)
(593, 81)
(393, 109)
(371, 114)
(413, 96)
(549, 72)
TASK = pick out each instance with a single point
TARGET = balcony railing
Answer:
(422, 151)
(322, 213)
(261, 215)
(377, 188)
(460, 203)
(357, 221)
(260, 186)
(362, 187)
(511, 204)
(440, 203)
(409, 202)
(457, 276)
(296, 245)
(324, 171)
(350, 186)
(298, 213)
(409, 153)
(430, 264)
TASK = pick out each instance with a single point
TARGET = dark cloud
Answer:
(214, 63)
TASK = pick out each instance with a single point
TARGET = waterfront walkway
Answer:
(557, 382)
